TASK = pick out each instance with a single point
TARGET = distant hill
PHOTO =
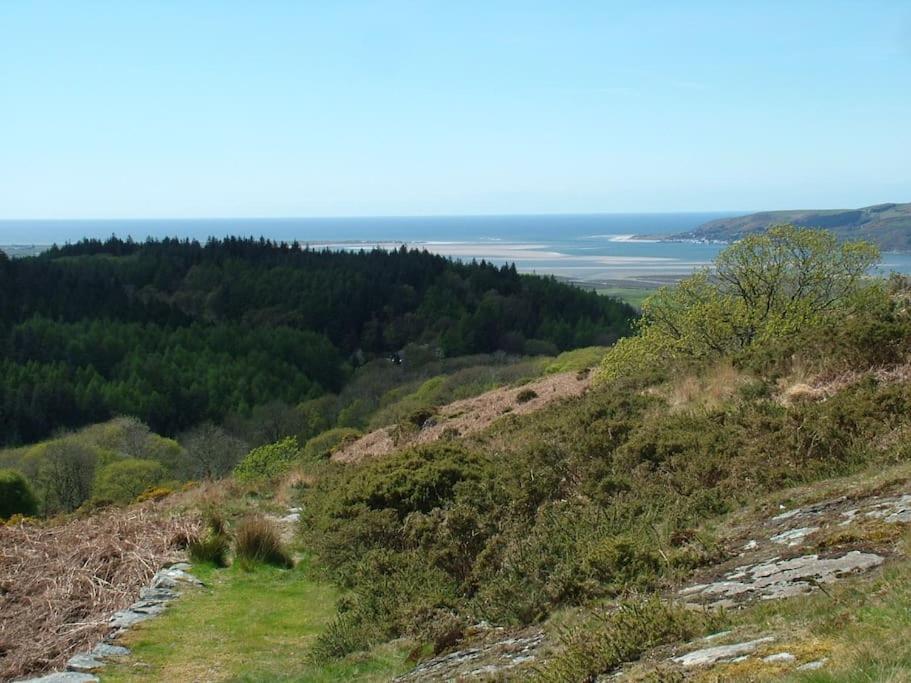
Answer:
(887, 225)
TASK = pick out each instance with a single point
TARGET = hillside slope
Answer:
(886, 225)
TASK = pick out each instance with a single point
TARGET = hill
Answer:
(886, 225)
(177, 333)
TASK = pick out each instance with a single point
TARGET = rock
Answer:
(813, 666)
(487, 660)
(794, 536)
(160, 594)
(896, 510)
(105, 650)
(63, 677)
(150, 607)
(171, 577)
(780, 657)
(786, 515)
(750, 545)
(776, 579)
(83, 663)
(292, 517)
(127, 618)
(720, 653)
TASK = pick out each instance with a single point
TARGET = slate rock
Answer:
(64, 677)
(720, 653)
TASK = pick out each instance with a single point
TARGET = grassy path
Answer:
(253, 626)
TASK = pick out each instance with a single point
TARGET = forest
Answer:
(177, 332)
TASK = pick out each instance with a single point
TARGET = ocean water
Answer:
(589, 248)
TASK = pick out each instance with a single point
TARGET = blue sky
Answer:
(192, 109)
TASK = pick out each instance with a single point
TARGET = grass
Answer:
(247, 626)
(634, 296)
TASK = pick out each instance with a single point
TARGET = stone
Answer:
(84, 663)
(786, 515)
(720, 653)
(105, 650)
(488, 660)
(160, 594)
(794, 536)
(127, 618)
(813, 666)
(775, 579)
(780, 657)
(64, 677)
(750, 545)
(171, 577)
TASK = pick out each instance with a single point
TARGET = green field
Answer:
(634, 296)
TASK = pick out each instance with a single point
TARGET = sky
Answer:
(167, 108)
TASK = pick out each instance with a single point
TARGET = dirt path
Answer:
(471, 415)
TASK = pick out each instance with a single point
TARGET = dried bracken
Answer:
(471, 415)
(60, 583)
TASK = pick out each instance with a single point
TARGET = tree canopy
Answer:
(178, 333)
(766, 286)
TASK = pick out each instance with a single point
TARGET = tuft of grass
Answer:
(257, 541)
(212, 548)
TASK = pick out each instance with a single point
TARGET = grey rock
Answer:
(776, 579)
(63, 677)
(813, 666)
(492, 659)
(84, 663)
(783, 657)
(720, 653)
(150, 607)
(160, 594)
(171, 577)
(793, 536)
(127, 618)
(105, 650)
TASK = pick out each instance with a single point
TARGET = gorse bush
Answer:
(607, 637)
(257, 541)
(320, 447)
(269, 461)
(16, 496)
(123, 481)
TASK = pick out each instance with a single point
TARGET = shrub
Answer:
(16, 497)
(526, 395)
(577, 360)
(154, 493)
(765, 288)
(257, 541)
(214, 546)
(269, 461)
(124, 480)
(608, 637)
(320, 447)
(416, 480)
(396, 594)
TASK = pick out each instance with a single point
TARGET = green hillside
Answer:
(886, 225)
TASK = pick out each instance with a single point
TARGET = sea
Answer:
(618, 249)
